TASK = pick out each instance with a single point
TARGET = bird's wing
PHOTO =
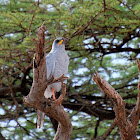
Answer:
(50, 62)
(40, 119)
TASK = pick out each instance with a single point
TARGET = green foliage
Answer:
(102, 37)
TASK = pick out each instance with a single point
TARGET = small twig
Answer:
(104, 7)
(107, 133)
(96, 128)
(81, 29)
(129, 9)
(13, 97)
(33, 17)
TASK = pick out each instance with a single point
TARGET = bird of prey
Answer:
(57, 62)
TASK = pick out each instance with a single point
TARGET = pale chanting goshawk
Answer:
(57, 62)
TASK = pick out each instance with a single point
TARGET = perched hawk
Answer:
(57, 62)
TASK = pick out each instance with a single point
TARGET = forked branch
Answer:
(36, 97)
(126, 125)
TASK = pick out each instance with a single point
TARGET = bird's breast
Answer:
(61, 64)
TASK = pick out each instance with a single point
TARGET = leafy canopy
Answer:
(103, 36)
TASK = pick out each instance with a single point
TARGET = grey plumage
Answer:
(57, 62)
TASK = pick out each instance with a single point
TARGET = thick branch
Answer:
(110, 91)
(125, 126)
(135, 114)
(54, 110)
(36, 97)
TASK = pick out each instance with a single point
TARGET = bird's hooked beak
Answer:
(61, 42)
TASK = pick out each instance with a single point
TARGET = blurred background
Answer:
(103, 36)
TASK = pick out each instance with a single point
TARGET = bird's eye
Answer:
(57, 41)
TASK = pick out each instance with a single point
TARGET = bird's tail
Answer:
(40, 119)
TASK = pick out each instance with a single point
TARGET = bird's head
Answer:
(59, 43)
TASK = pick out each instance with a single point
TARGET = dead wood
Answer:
(127, 125)
(36, 98)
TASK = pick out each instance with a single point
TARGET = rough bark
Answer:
(127, 125)
(36, 97)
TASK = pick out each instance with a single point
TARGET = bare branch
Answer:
(15, 88)
(126, 129)
(109, 130)
(135, 113)
(54, 110)
(104, 4)
(129, 9)
(36, 97)
(96, 128)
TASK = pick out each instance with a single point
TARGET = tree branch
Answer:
(127, 130)
(36, 97)
(2, 137)
(15, 88)
(107, 133)
(129, 9)
(96, 128)
(135, 113)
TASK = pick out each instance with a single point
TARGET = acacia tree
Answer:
(102, 36)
